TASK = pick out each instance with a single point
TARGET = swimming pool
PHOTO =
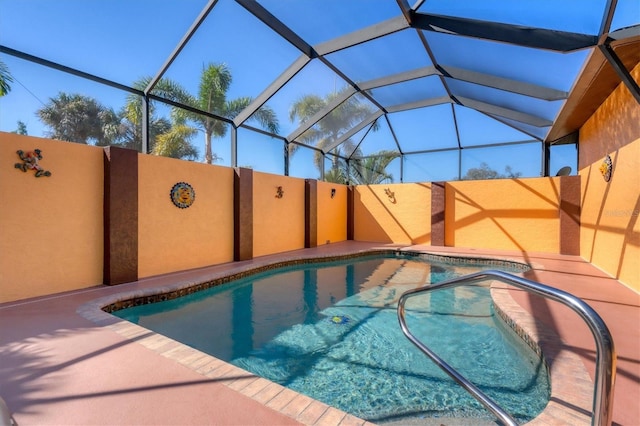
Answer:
(330, 331)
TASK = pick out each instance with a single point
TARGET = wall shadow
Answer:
(376, 226)
(365, 219)
(494, 215)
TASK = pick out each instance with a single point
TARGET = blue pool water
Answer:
(330, 331)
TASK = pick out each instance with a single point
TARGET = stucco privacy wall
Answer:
(171, 238)
(394, 213)
(332, 213)
(610, 232)
(510, 214)
(278, 223)
(51, 237)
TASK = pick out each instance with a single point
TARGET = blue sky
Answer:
(124, 40)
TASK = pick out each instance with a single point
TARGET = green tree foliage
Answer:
(485, 172)
(329, 129)
(82, 119)
(369, 170)
(336, 175)
(22, 128)
(5, 79)
(175, 143)
(78, 118)
(372, 170)
(363, 171)
(173, 138)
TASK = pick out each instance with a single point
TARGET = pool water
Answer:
(330, 331)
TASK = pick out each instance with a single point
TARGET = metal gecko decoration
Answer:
(30, 161)
(391, 195)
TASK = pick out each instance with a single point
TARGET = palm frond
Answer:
(267, 119)
(336, 175)
(176, 143)
(5, 79)
(305, 107)
(372, 170)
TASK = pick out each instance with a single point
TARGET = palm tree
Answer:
(330, 128)
(159, 127)
(5, 79)
(174, 136)
(212, 97)
(372, 170)
(78, 118)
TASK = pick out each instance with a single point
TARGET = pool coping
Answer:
(306, 410)
(570, 381)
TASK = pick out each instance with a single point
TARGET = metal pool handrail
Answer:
(605, 350)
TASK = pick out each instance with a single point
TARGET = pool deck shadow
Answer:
(65, 361)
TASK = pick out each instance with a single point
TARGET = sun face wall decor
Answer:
(183, 195)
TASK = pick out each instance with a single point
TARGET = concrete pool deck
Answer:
(61, 362)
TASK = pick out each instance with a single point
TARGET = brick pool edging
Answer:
(571, 386)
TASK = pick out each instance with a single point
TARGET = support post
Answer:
(234, 146)
(243, 214)
(287, 158)
(350, 212)
(570, 215)
(437, 213)
(146, 147)
(120, 215)
(310, 213)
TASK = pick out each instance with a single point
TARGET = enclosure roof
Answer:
(532, 70)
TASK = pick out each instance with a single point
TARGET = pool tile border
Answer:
(307, 410)
(154, 296)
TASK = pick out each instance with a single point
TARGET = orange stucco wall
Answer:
(51, 237)
(609, 229)
(332, 213)
(278, 223)
(173, 239)
(510, 214)
(403, 218)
